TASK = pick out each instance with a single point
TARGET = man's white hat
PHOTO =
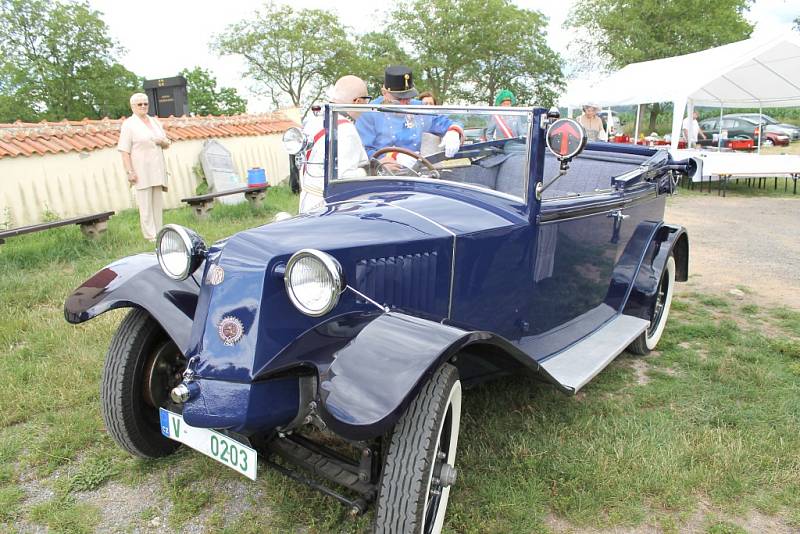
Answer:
(348, 88)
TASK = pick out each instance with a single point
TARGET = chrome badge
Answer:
(230, 330)
(216, 275)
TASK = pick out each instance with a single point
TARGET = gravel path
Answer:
(751, 242)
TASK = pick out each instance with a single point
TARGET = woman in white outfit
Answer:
(352, 158)
(141, 143)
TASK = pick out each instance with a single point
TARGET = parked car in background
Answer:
(732, 128)
(777, 139)
(336, 342)
(772, 125)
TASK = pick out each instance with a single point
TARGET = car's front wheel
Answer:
(142, 365)
(648, 340)
(419, 468)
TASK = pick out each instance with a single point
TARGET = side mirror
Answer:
(565, 138)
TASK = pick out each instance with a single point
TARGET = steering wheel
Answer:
(375, 164)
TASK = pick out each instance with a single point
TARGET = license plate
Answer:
(220, 447)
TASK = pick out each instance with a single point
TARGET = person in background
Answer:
(428, 99)
(380, 130)
(506, 126)
(691, 130)
(592, 123)
(141, 144)
(351, 155)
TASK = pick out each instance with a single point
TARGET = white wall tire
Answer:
(412, 497)
(648, 340)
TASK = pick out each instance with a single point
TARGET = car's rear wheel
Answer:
(142, 365)
(419, 468)
(648, 340)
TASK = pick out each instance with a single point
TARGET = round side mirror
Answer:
(566, 139)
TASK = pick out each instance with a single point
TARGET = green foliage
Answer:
(624, 32)
(57, 60)
(479, 47)
(206, 99)
(287, 52)
(376, 50)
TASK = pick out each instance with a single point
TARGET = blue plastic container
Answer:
(256, 177)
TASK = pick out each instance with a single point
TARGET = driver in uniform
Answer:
(382, 129)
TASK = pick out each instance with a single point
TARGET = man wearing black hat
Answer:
(380, 130)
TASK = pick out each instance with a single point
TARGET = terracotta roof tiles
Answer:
(27, 139)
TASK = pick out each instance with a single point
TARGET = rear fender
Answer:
(667, 239)
(138, 282)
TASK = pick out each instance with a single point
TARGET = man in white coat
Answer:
(352, 158)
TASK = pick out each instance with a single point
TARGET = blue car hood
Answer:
(392, 249)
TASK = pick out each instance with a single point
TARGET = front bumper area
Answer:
(245, 408)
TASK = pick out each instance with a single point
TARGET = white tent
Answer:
(757, 72)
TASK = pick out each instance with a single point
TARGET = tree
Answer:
(58, 61)
(206, 99)
(797, 23)
(621, 32)
(470, 49)
(294, 54)
(373, 52)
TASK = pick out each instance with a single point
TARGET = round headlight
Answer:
(294, 140)
(180, 251)
(313, 281)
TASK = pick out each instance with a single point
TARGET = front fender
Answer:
(137, 281)
(668, 239)
(372, 380)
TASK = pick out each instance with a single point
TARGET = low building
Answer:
(73, 168)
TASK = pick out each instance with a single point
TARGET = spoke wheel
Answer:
(419, 470)
(141, 367)
(659, 312)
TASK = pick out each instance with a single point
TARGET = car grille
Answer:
(403, 281)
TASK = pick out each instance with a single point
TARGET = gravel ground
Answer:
(735, 242)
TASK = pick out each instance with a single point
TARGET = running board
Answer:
(575, 366)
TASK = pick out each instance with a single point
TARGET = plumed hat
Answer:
(505, 94)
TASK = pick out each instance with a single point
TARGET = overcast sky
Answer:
(164, 36)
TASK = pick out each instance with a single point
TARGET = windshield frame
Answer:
(334, 111)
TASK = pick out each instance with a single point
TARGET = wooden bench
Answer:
(91, 226)
(203, 204)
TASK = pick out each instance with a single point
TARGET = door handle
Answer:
(618, 215)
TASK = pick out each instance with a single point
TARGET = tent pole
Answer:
(636, 130)
(719, 130)
(760, 127)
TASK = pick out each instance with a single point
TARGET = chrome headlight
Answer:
(313, 281)
(180, 251)
(294, 140)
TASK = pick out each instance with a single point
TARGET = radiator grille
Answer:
(402, 281)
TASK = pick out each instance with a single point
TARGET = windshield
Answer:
(476, 147)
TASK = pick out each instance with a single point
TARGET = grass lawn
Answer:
(705, 432)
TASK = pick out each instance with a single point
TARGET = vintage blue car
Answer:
(333, 346)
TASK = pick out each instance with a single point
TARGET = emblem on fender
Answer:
(216, 275)
(230, 330)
